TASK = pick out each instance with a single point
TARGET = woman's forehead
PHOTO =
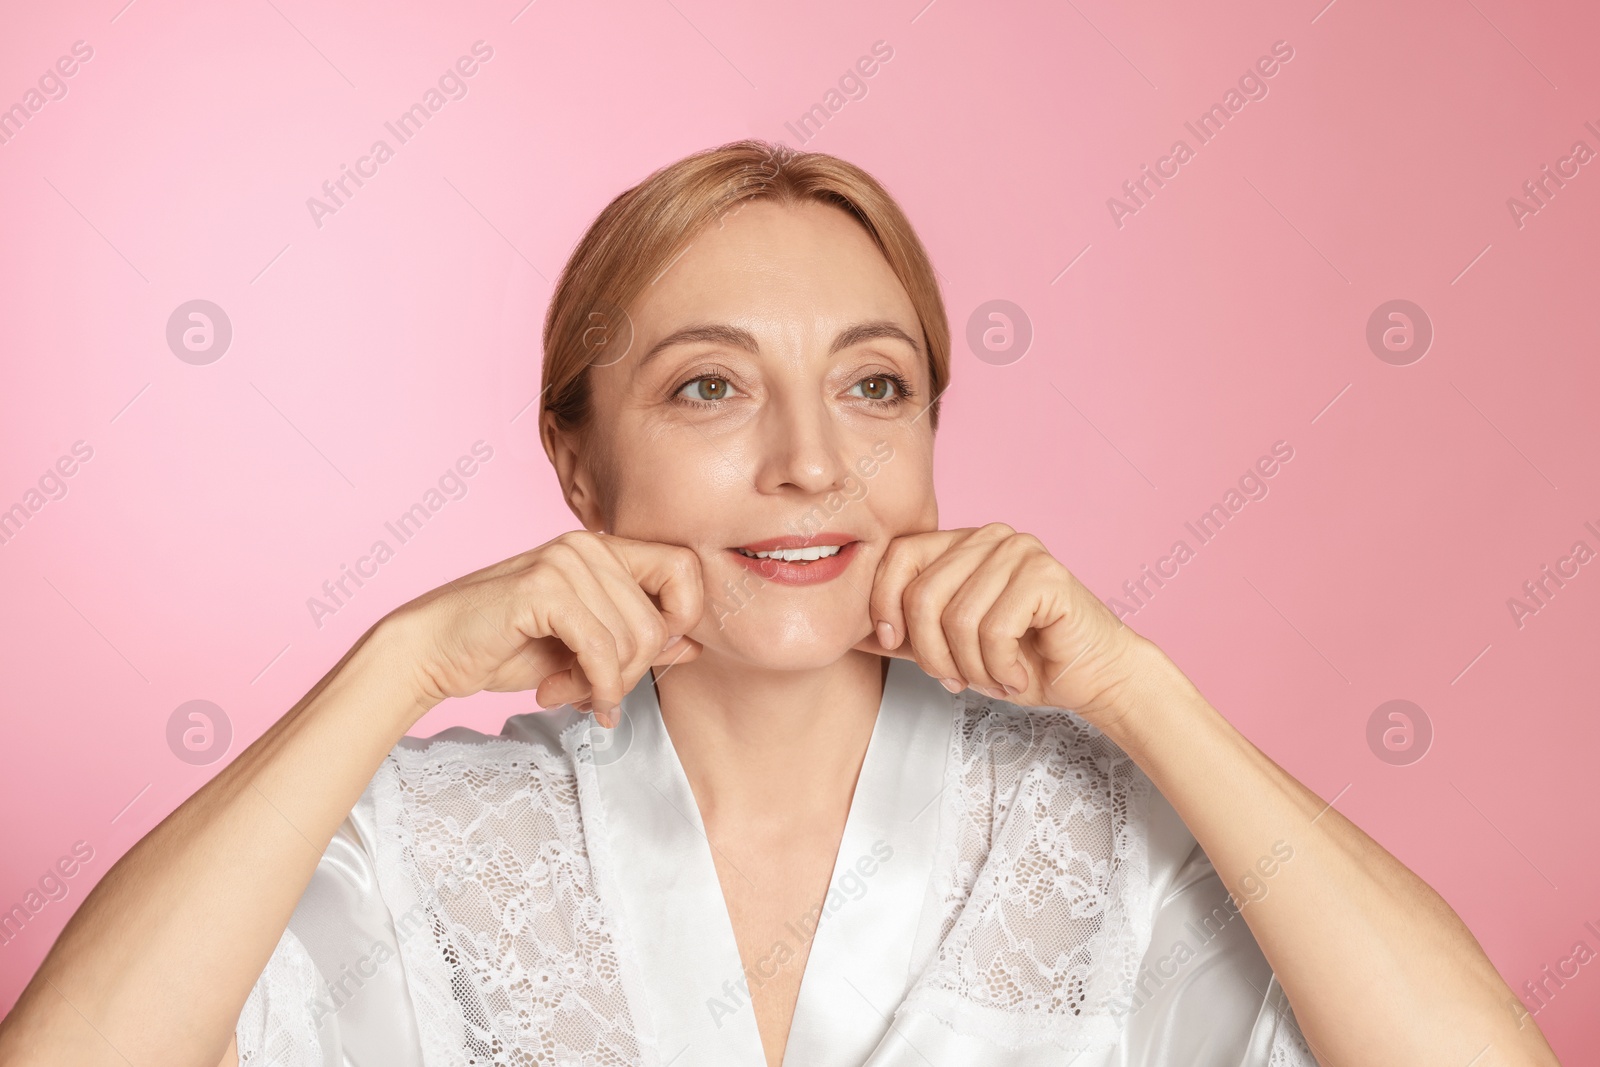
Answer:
(772, 268)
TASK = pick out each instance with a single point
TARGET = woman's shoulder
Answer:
(1066, 784)
(533, 747)
(449, 801)
(543, 729)
(1015, 743)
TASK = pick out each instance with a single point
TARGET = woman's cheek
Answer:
(905, 507)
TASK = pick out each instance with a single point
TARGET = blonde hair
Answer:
(643, 229)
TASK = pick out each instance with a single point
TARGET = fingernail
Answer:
(674, 639)
(886, 636)
(584, 705)
(953, 684)
(1011, 690)
(990, 691)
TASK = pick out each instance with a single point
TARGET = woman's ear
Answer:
(564, 451)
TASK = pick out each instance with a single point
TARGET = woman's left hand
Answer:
(990, 608)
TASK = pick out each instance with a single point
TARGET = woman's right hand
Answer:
(579, 619)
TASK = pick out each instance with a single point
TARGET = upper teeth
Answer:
(790, 555)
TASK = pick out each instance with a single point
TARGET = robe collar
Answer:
(877, 917)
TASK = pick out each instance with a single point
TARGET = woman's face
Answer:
(760, 406)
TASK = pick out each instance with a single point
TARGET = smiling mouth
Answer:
(809, 554)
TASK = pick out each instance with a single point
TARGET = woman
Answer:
(863, 791)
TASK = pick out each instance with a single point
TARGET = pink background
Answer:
(1227, 314)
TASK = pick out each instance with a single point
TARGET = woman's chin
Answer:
(775, 651)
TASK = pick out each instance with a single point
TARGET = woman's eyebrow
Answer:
(715, 332)
(867, 331)
(734, 337)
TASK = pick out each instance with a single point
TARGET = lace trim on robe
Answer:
(1043, 857)
(521, 963)
(278, 1025)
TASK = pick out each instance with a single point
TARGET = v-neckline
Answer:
(674, 918)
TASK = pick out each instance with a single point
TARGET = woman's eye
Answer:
(705, 389)
(877, 387)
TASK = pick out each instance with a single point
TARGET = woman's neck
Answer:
(764, 746)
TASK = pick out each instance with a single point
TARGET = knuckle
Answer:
(582, 544)
(519, 562)
(919, 597)
(562, 551)
(654, 632)
(598, 641)
(535, 578)
(1029, 541)
(991, 630)
(960, 616)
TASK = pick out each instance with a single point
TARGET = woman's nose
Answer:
(801, 447)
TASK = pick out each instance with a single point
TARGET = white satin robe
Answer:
(1010, 890)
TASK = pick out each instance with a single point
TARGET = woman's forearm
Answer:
(156, 963)
(1378, 968)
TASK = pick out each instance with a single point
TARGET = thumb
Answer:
(684, 650)
(870, 643)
